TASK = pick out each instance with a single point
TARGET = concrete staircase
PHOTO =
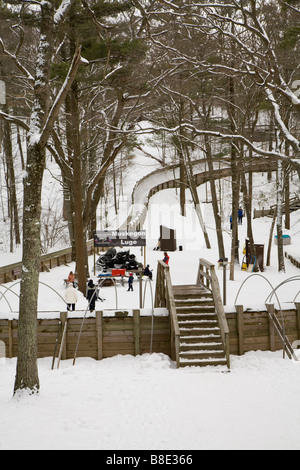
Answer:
(200, 338)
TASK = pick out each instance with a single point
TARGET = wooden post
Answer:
(136, 331)
(140, 271)
(297, 304)
(271, 310)
(240, 328)
(10, 339)
(99, 330)
(64, 320)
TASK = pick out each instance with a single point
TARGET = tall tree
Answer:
(43, 116)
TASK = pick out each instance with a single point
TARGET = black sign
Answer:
(120, 238)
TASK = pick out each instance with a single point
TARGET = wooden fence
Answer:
(293, 260)
(12, 272)
(101, 337)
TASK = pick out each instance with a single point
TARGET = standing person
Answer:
(71, 297)
(166, 258)
(241, 215)
(148, 272)
(91, 295)
(130, 283)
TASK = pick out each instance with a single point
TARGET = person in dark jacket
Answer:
(241, 215)
(148, 272)
(130, 282)
(91, 295)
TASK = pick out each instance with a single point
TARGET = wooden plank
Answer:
(297, 304)
(99, 321)
(64, 321)
(136, 331)
(10, 339)
(240, 328)
(271, 310)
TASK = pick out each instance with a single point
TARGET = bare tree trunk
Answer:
(196, 201)
(27, 371)
(216, 209)
(247, 204)
(182, 186)
(271, 238)
(42, 121)
(235, 208)
(286, 190)
(281, 263)
(7, 145)
(77, 188)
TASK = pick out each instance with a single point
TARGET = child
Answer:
(130, 283)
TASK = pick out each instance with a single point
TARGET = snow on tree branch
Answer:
(61, 11)
(14, 120)
(14, 58)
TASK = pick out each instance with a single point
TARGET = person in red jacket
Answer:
(166, 258)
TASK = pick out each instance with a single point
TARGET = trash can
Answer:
(260, 253)
(167, 239)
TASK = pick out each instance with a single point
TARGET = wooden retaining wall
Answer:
(252, 330)
(105, 337)
(102, 337)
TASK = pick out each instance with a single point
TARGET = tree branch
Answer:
(14, 120)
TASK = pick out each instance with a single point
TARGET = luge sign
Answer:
(120, 238)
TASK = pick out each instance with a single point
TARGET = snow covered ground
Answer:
(144, 402)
